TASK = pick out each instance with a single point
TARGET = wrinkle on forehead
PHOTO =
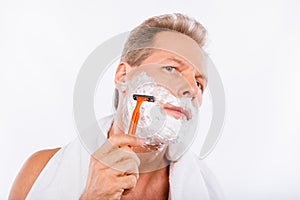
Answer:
(183, 46)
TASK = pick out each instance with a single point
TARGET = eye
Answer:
(169, 68)
(199, 84)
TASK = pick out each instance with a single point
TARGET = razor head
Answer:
(149, 98)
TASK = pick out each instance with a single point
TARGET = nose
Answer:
(187, 87)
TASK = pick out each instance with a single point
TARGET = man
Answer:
(162, 58)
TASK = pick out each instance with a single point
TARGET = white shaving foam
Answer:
(154, 125)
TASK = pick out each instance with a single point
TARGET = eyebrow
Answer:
(202, 76)
(175, 60)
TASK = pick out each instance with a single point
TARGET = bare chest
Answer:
(150, 191)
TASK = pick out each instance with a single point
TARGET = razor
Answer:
(136, 112)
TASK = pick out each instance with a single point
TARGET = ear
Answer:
(122, 70)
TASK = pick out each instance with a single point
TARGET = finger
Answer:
(120, 140)
(108, 146)
(110, 155)
(106, 149)
(121, 160)
(127, 167)
(117, 141)
(117, 195)
(128, 182)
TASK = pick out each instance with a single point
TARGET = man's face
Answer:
(174, 75)
(176, 63)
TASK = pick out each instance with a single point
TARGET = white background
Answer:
(254, 44)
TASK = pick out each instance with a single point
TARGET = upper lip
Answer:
(185, 112)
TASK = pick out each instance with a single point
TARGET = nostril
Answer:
(186, 93)
(187, 89)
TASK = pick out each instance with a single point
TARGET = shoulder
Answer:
(29, 173)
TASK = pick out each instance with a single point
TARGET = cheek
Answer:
(170, 81)
(197, 101)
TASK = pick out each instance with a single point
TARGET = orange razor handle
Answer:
(136, 115)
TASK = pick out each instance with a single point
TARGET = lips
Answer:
(177, 112)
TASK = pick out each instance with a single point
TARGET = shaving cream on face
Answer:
(154, 125)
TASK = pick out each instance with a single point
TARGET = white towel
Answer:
(65, 175)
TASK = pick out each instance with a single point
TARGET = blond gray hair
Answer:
(135, 49)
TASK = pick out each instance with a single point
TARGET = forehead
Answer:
(179, 46)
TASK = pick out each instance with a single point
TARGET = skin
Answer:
(181, 70)
(29, 173)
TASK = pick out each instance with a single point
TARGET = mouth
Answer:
(177, 112)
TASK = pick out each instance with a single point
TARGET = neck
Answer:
(151, 185)
(151, 178)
